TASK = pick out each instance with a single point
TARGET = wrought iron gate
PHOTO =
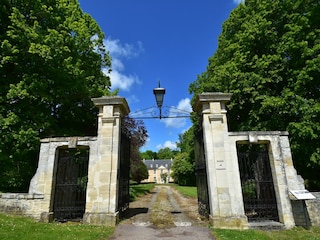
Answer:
(124, 174)
(201, 174)
(71, 184)
(257, 183)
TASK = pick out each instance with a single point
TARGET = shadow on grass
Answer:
(137, 190)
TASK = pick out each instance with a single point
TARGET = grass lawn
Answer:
(16, 227)
(137, 190)
(187, 191)
(296, 233)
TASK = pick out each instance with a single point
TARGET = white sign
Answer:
(302, 194)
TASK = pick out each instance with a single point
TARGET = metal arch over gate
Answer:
(257, 183)
(71, 183)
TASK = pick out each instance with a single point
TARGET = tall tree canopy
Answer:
(183, 167)
(166, 153)
(51, 60)
(269, 57)
(148, 155)
(135, 129)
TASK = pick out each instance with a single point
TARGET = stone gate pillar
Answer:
(224, 186)
(102, 192)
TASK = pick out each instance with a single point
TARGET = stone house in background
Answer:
(156, 167)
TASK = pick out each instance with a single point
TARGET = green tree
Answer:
(166, 153)
(139, 171)
(51, 60)
(183, 170)
(183, 166)
(148, 155)
(186, 142)
(164, 177)
(138, 134)
(268, 56)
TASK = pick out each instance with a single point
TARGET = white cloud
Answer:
(117, 64)
(132, 99)
(167, 144)
(183, 109)
(185, 105)
(119, 52)
(126, 50)
(122, 81)
(238, 1)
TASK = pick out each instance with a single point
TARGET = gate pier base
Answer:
(233, 222)
(101, 219)
(46, 217)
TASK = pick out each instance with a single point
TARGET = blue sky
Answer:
(152, 40)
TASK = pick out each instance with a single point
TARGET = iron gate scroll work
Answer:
(71, 184)
(201, 174)
(124, 174)
(257, 183)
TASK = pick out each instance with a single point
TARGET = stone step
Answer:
(266, 225)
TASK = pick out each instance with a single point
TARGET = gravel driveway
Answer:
(163, 214)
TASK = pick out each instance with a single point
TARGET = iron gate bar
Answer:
(201, 174)
(71, 183)
(257, 185)
(124, 175)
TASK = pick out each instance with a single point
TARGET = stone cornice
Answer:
(207, 97)
(114, 101)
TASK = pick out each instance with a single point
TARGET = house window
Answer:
(166, 165)
(156, 165)
(151, 166)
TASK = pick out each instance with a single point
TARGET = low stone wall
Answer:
(313, 207)
(300, 213)
(22, 204)
(307, 212)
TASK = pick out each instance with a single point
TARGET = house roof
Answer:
(157, 163)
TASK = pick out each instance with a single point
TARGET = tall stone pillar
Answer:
(102, 191)
(224, 186)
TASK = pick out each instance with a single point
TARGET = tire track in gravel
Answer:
(162, 208)
(163, 214)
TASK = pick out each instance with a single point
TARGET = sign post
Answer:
(303, 195)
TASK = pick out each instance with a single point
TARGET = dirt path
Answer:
(163, 214)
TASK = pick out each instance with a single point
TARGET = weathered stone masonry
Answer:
(225, 194)
(224, 186)
(101, 196)
(38, 201)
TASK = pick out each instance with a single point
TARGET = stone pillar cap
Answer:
(207, 97)
(112, 100)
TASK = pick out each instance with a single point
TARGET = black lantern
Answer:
(159, 94)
